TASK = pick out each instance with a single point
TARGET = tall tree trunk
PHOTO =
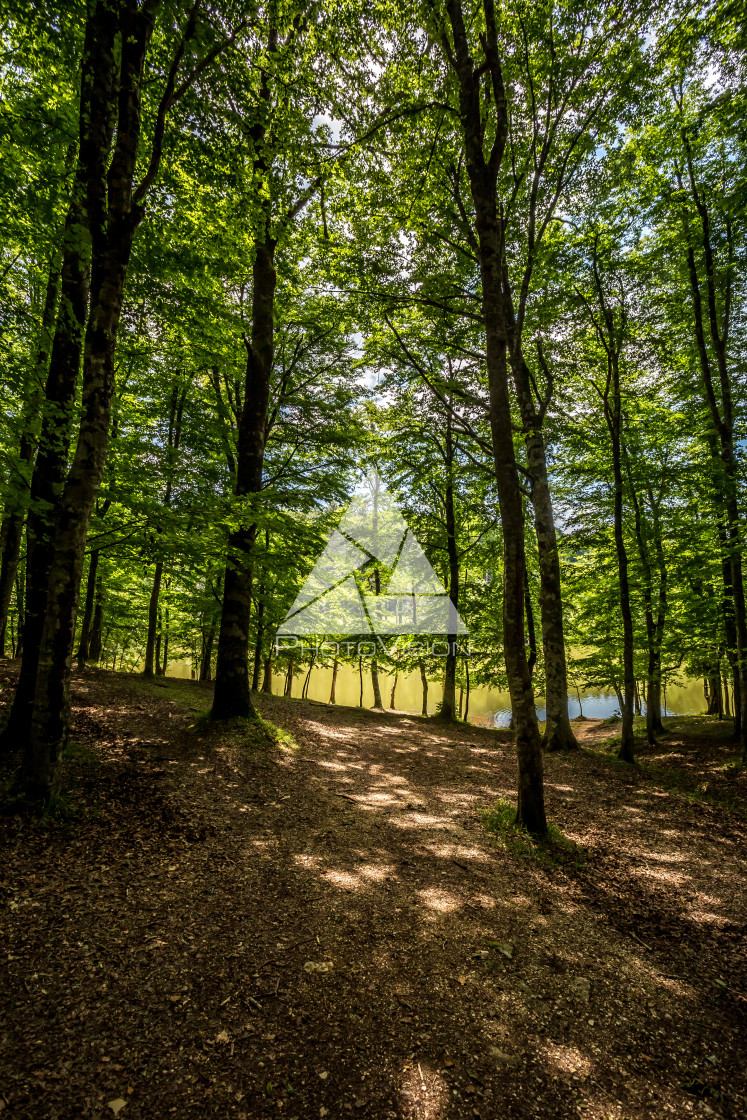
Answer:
(722, 416)
(466, 696)
(333, 689)
(259, 639)
(483, 176)
(206, 661)
(307, 678)
(94, 648)
(173, 441)
(267, 681)
(394, 689)
(614, 418)
(59, 399)
(111, 91)
(165, 662)
(14, 514)
(558, 734)
(713, 693)
(232, 696)
(424, 682)
(448, 703)
(531, 636)
(654, 623)
(20, 599)
(84, 643)
(153, 655)
(377, 704)
(610, 329)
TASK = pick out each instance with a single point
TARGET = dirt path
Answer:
(325, 928)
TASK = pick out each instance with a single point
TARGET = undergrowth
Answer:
(500, 820)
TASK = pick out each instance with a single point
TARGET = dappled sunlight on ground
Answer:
(337, 924)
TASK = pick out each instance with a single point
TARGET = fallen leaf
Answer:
(116, 1105)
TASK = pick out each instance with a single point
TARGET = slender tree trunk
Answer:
(84, 643)
(483, 174)
(610, 326)
(111, 88)
(173, 441)
(394, 689)
(558, 734)
(20, 598)
(259, 639)
(424, 682)
(466, 698)
(15, 509)
(722, 417)
(94, 648)
(531, 636)
(159, 639)
(377, 704)
(305, 689)
(54, 444)
(448, 703)
(206, 661)
(360, 674)
(153, 644)
(289, 679)
(333, 689)
(232, 696)
(614, 417)
(713, 694)
(165, 662)
(267, 679)
(654, 623)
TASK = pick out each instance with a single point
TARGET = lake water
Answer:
(487, 707)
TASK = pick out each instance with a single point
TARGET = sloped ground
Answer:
(224, 928)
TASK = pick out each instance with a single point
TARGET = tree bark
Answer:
(448, 703)
(259, 639)
(333, 689)
(377, 704)
(60, 388)
(307, 678)
(483, 176)
(153, 655)
(232, 695)
(267, 681)
(722, 417)
(165, 662)
(424, 682)
(94, 649)
(558, 731)
(15, 508)
(614, 421)
(289, 680)
(84, 643)
(114, 79)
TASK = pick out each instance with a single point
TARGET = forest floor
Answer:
(216, 926)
